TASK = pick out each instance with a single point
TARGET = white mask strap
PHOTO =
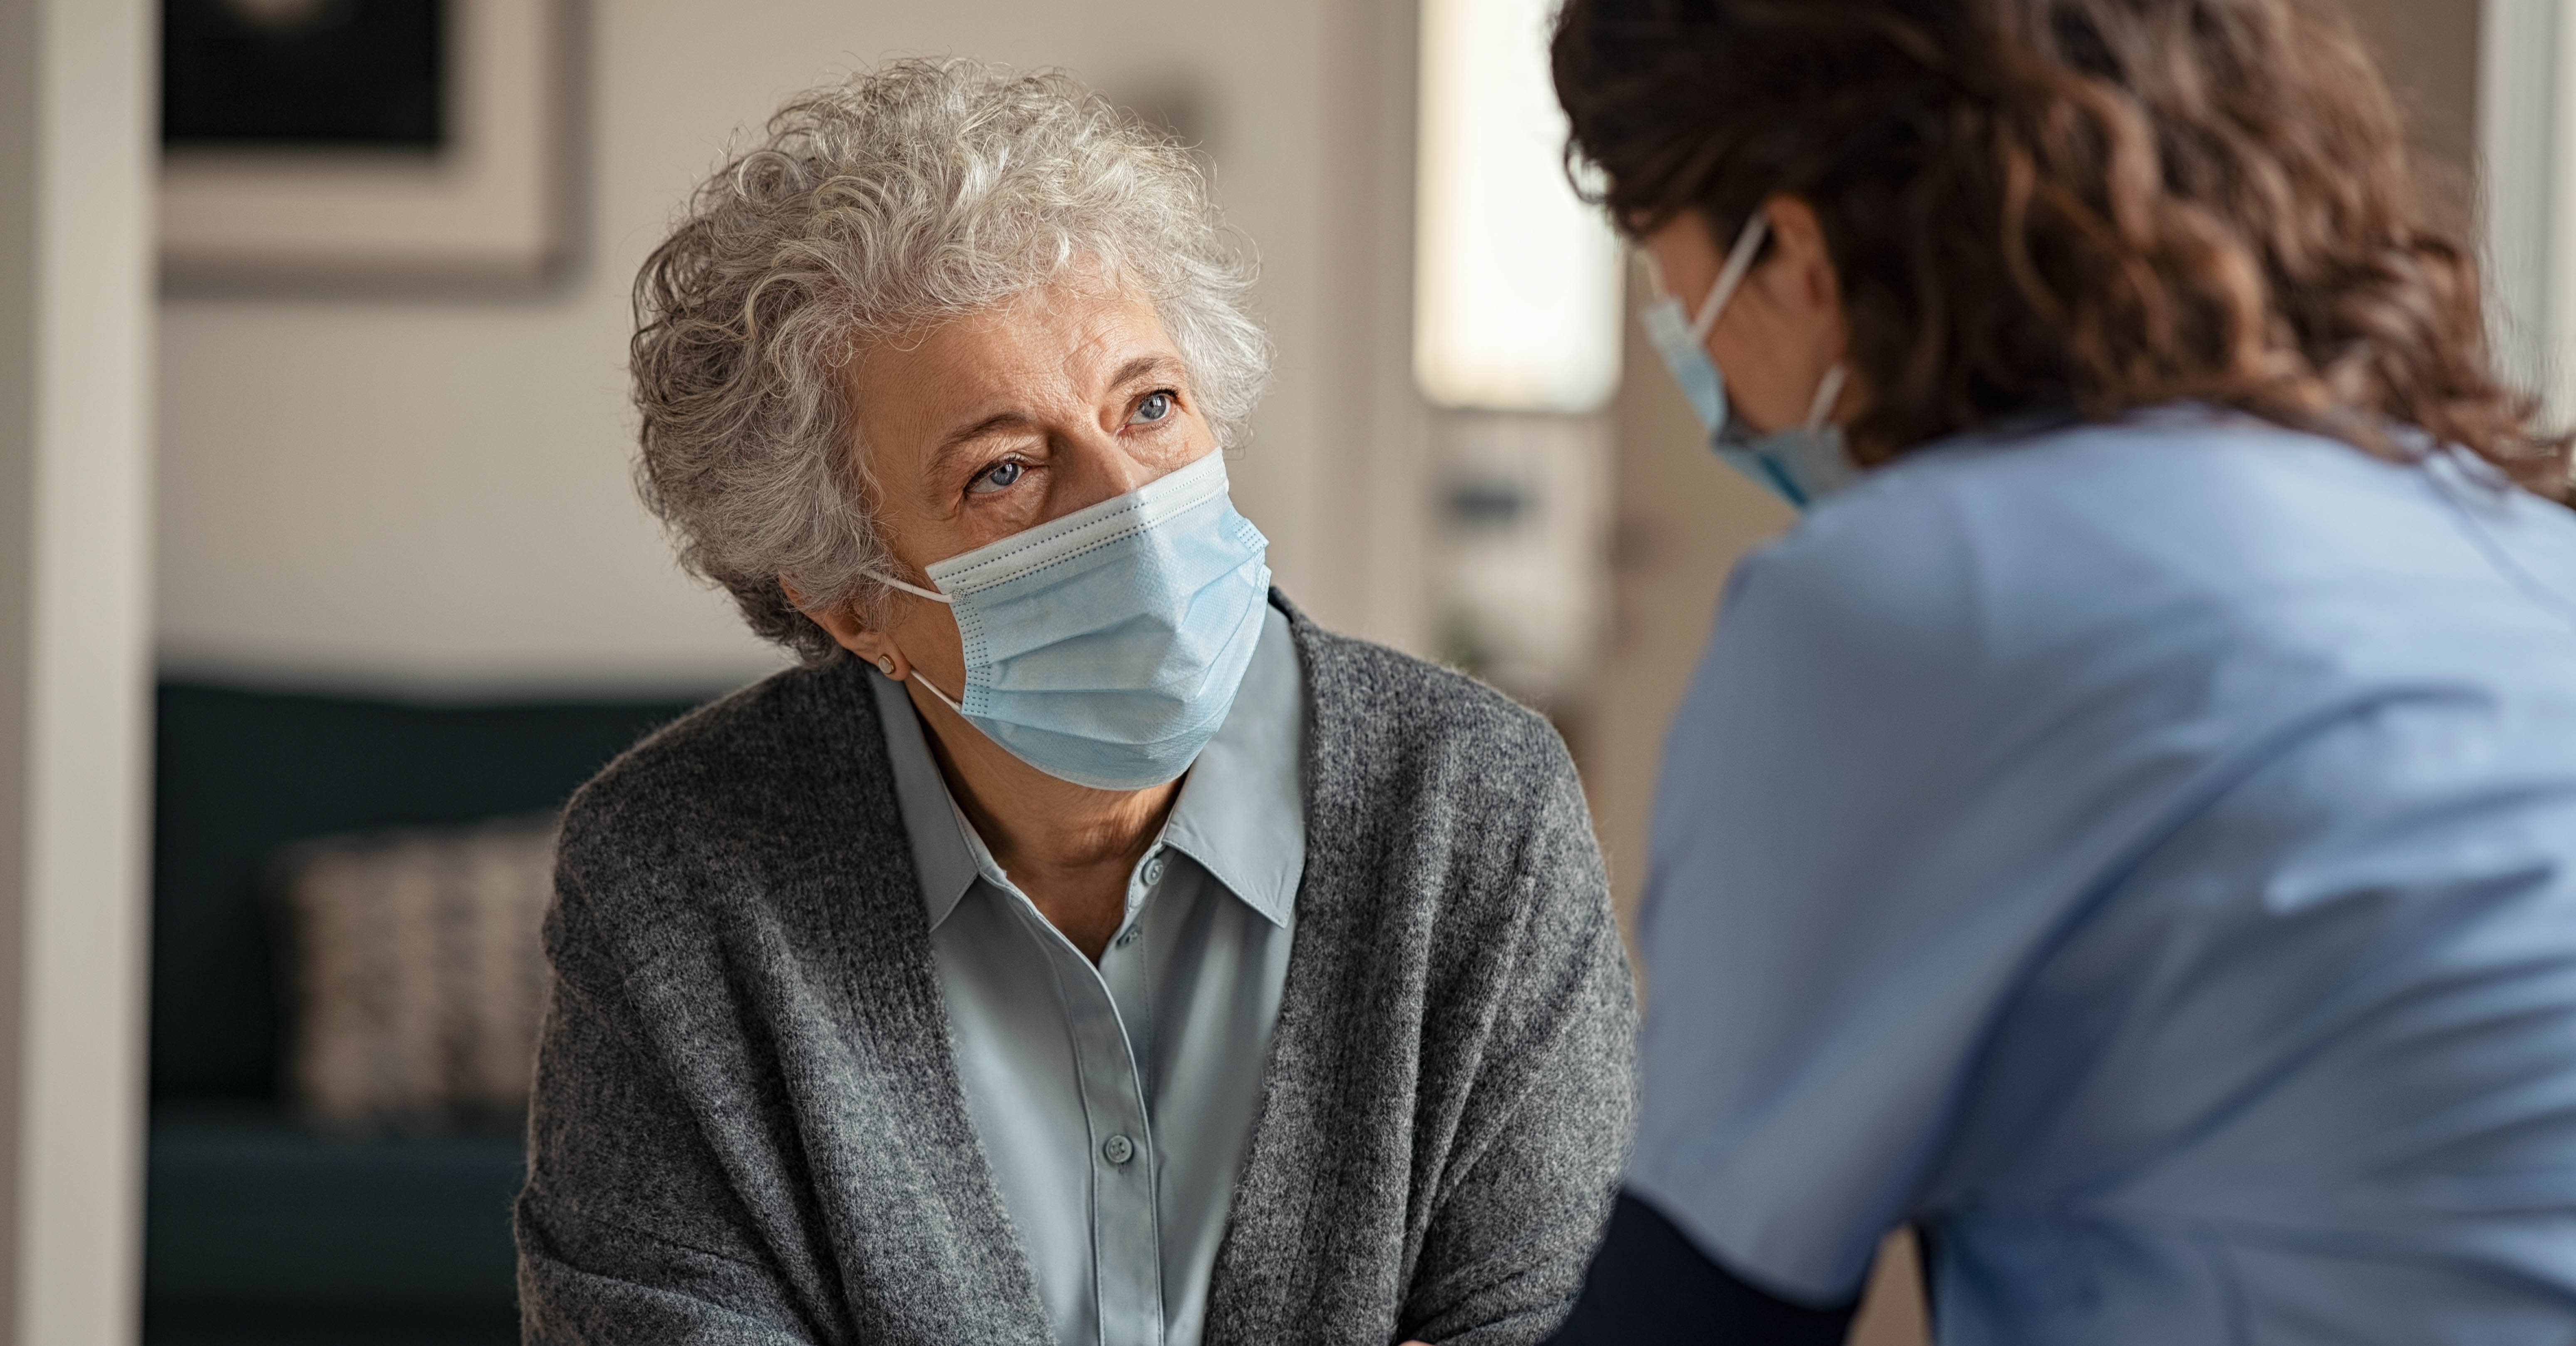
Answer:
(914, 589)
(936, 597)
(933, 688)
(1826, 394)
(1738, 262)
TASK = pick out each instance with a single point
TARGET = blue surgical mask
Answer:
(1800, 464)
(1105, 647)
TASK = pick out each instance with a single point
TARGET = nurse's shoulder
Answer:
(2187, 533)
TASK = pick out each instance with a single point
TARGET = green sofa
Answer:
(260, 1229)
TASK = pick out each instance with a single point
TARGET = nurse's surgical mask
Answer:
(1105, 647)
(1800, 464)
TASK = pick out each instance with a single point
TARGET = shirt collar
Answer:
(942, 852)
(1241, 814)
(1242, 811)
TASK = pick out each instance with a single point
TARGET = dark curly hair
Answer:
(2095, 204)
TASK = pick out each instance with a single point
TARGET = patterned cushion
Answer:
(416, 976)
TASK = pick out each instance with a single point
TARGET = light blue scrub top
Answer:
(1115, 1102)
(2146, 855)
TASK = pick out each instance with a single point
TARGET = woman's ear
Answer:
(1807, 264)
(850, 633)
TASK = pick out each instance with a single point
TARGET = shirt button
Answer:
(1154, 871)
(1128, 938)
(1118, 1149)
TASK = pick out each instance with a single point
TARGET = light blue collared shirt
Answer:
(1115, 1102)
(2145, 854)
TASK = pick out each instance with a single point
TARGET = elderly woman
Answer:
(1080, 946)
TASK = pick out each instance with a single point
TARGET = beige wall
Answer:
(2429, 52)
(433, 494)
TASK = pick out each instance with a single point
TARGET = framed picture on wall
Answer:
(410, 142)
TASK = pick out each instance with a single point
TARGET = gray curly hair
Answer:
(874, 208)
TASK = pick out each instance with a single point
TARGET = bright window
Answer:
(1516, 279)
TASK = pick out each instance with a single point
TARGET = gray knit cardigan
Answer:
(748, 1125)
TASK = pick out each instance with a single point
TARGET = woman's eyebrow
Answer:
(1144, 366)
(955, 441)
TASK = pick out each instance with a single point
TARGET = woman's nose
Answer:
(1100, 466)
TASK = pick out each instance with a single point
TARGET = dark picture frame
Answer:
(364, 143)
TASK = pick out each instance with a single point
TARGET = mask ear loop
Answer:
(1739, 261)
(1826, 393)
(913, 589)
(933, 689)
(936, 597)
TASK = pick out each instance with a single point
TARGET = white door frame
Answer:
(77, 133)
(2527, 193)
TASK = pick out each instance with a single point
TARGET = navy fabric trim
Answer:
(1650, 1286)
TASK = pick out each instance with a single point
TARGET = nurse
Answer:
(2127, 829)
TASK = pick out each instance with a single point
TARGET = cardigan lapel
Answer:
(1312, 1220)
(930, 1241)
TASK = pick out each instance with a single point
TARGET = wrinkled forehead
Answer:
(1051, 353)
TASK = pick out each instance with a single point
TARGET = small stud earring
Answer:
(885, 664)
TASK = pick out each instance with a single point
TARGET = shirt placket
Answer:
(1126, 1240)
(1128, 972)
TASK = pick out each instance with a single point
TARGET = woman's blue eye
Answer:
(1155, 407)
(999, 476)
